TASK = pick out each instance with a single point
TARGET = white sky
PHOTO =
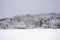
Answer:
(9, 8)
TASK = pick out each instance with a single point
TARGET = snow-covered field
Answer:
(30, 34)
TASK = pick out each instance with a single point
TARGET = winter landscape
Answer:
(28, 21)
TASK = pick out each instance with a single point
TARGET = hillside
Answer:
(42, 21)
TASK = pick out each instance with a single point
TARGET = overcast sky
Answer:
(10, 8)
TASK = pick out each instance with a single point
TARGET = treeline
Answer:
(28, 21)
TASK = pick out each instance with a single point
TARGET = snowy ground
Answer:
(30, 34)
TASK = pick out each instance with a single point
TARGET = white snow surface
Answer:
(30, 34)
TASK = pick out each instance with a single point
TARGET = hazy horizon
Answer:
(10, 8)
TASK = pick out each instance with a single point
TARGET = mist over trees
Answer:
(42, 21)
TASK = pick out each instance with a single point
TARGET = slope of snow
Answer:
(30, 34)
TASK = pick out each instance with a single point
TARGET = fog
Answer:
(9, 8)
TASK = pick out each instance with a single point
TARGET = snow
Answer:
(30, 34)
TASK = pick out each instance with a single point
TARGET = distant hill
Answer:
(28, 21)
